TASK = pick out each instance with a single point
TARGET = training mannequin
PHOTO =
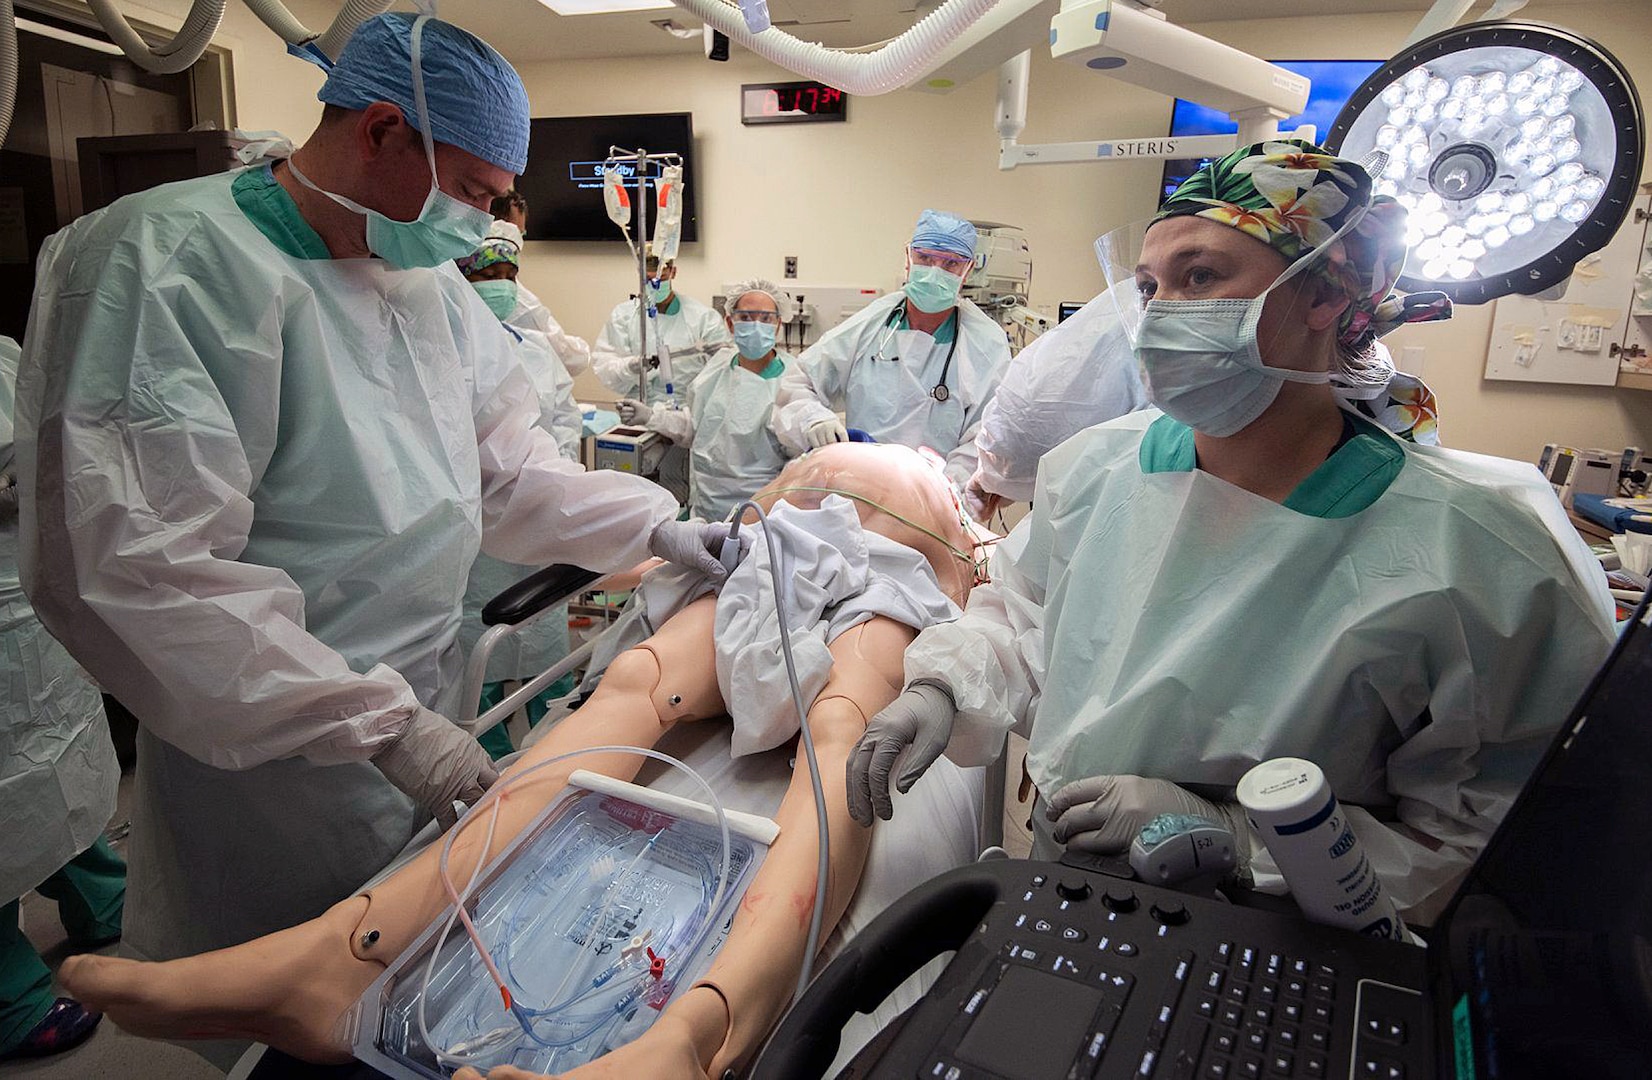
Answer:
(290, 989)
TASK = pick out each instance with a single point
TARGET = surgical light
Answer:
(1516, 147)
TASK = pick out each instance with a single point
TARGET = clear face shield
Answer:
(1119, 253)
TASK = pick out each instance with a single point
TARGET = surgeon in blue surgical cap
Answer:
(264, 426)
(915, 367)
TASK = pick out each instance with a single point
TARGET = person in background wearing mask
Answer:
(510, 222)
(725, 424)
(1255, 571)
(689, 333)
(262, 429)
(491, 270)
(58, 776)
(916, 367)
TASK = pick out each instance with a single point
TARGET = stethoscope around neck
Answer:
(940, 391)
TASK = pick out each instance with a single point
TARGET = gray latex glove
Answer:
(920, 718)
(436, 763)
(825, 432)
(1103, 814)
(697, 545)
(633, 411)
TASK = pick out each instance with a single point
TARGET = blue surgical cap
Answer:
(940, 231)
(476, 100)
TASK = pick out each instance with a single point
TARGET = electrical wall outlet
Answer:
(791, 266)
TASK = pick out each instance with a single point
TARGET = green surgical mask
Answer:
(499, 296)
(657, 292)
(931, 289)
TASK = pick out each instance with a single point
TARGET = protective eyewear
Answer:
(747, 315)
(952, 263)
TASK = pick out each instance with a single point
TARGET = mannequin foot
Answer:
(288, 990)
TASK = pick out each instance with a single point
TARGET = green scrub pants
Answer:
(90, 893)
(496, 740)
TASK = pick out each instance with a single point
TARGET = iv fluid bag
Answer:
(668, 224)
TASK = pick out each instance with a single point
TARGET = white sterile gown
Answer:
(1168, 624)
(857, 367)
(58, 771)
(253, 486)
(1079, 374)
(725, 427)
(692, 333)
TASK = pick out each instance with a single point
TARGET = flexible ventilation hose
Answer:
(274, 14)
(8, 66)
(176, 55)
(891, 67)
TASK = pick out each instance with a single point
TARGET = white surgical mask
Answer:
(1200, 362)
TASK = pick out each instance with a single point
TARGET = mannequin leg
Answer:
(290, 988)
(722, 1020)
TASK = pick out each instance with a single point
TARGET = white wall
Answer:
(842, 197)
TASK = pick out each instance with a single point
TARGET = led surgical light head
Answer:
(1515, 147)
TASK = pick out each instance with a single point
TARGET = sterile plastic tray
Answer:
(569, 911)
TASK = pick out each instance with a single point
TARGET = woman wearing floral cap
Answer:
(1251, 570)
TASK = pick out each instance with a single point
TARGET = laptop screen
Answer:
(1547, 948)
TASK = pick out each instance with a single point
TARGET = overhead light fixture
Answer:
(603, 7)
(1515, 147)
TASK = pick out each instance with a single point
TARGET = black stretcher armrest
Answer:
(537, 592)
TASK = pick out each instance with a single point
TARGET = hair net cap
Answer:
(476, 99)
(783, 301)
(940, 231)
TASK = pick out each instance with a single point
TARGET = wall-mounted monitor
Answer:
(1334, 82)
(563, 182)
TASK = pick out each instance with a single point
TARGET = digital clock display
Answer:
(791, 103)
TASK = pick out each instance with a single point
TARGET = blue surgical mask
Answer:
(499, 296)
(931, 289)
(755, 340)
(446, 229)
(658, 290)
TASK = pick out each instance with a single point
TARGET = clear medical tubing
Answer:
(891, 67)
(459, 914)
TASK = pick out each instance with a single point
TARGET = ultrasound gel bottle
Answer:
(1296, 814)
